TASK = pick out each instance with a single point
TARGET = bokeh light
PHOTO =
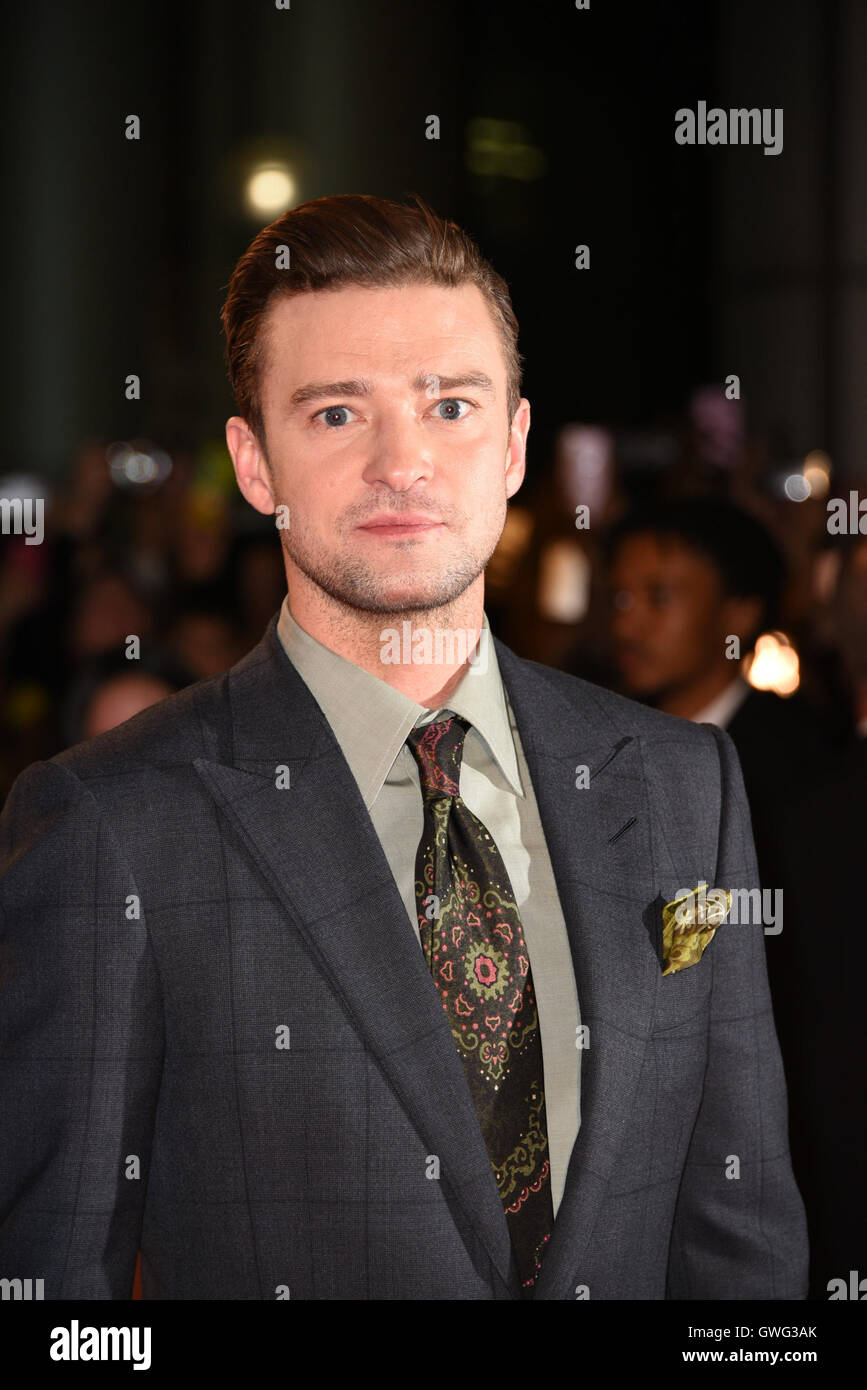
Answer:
(774, 665)
(270, 189)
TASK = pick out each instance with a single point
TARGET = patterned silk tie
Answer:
(473, 941)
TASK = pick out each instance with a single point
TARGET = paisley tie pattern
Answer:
(473, 941)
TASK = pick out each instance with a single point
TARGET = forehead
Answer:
(394, 329)
(658, 554)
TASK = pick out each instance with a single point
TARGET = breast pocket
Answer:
(682, 997)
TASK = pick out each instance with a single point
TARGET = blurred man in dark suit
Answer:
(686, 576)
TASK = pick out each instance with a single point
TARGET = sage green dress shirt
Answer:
(370, 721)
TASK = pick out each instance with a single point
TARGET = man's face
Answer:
(388, 439)
(670, 617)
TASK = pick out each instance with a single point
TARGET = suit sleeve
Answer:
(81, 1043)
(739, 1228)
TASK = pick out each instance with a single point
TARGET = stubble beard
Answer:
(356, 586)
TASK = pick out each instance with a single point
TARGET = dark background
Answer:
(703, 261)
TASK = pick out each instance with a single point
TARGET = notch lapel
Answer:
(315, 845)
(600, 844)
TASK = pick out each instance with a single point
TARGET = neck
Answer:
(689, 700)
(423, 652)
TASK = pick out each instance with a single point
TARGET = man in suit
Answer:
(340, 975)
(687, 575)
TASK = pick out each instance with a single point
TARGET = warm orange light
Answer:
(774, 665)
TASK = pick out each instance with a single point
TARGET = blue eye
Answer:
(452, 402)
(335, 415)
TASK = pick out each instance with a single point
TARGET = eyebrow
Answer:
(361, 386)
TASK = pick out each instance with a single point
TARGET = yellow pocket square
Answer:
(689, 924)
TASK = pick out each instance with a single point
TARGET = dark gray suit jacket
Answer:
(169, 911)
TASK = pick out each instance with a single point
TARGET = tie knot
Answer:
(438, 748)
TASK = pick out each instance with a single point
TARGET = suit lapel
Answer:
(599, 842)
(314, 843)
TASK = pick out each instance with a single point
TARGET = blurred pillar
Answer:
(791, 229)
(849, 319)
(77, 226)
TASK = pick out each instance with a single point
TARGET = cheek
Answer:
(671, 632)
(476, 470)
(686, 633)
(324, 485)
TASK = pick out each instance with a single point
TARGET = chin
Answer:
(412, 592)
(404, 600)
(389, 590)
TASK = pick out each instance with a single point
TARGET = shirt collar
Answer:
(723, 708)
(371, 720)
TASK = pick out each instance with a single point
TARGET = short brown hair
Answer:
(352, 239)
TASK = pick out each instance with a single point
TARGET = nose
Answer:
(399, 457)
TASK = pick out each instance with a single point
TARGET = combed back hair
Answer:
(351, 239)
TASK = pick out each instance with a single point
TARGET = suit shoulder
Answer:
(625, 715)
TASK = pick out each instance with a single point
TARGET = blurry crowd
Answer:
(185, 566)
(685, 566)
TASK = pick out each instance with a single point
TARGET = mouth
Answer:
(631, 656)
(400, 526)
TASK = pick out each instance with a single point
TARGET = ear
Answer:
(251, 467)
(516, 453)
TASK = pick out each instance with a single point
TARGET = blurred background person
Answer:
(694, 583)
(109, 689)
(206, 637)
(697, 586)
